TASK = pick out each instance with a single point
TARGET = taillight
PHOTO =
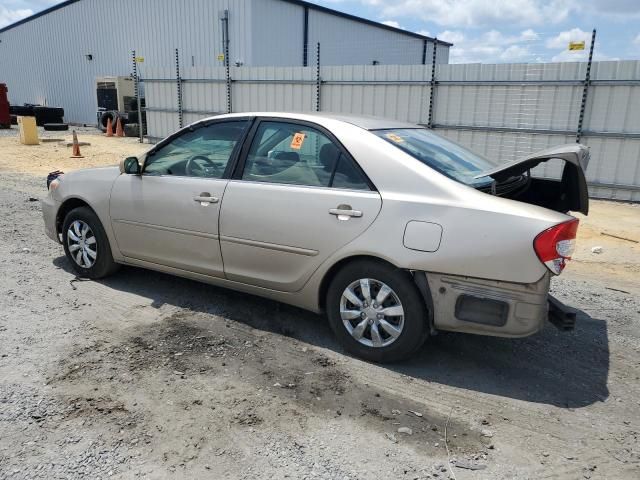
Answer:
(555, 245)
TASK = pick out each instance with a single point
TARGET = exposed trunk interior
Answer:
(569, 193)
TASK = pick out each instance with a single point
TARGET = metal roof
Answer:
(302, 3)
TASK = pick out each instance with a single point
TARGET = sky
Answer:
(487, 31)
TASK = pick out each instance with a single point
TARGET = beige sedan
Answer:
(392, 230)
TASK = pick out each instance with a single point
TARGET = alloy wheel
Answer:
(372, 312)
(82, 244)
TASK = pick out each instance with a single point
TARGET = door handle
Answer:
(205, 199)
(344, 212)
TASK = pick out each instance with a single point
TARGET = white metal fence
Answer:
(502, 111)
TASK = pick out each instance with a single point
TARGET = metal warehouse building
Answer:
(54, 57)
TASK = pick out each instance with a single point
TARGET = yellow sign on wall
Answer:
(139, 59)
(576, 45)
(221, 57)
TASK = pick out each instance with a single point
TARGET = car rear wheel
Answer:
(376, 311)
(86, 244)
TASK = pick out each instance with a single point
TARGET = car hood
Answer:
(573, 185)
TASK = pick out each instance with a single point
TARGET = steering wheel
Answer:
(195, 169)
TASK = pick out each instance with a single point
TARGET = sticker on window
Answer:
(394, 138)
(297, 141)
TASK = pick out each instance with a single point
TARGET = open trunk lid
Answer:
(569, 193)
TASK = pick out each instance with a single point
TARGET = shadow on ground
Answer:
(568, 370)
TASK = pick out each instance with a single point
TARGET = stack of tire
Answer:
(109, 115)
(129, 119)
(51, 118)
(132, 127)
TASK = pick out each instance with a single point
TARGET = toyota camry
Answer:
(390, 229)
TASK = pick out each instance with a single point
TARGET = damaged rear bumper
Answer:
(489, 307)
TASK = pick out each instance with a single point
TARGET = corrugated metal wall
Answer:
(43, 60)
(345, 42)
(278, 32)
(501, 111)
(277, 29)
(393, 91)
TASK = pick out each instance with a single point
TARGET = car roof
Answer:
(362, 121)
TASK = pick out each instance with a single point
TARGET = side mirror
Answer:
(130, 166)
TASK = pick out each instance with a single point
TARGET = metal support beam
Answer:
(585, 90)
(559, 83)
(179, 90)
(175, 110)
(432, 90)
(537, 131)
(225, 41)
(136, 86)
(305, 38)
(318, 79)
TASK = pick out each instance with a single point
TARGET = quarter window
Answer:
(203, 152)
(299, 155)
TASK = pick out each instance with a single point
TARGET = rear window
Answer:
(444, 156)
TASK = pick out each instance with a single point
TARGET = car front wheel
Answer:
(86, 244)
(377, 312)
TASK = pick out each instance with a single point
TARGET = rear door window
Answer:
(297, 154)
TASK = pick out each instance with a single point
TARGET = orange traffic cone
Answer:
(75, 153)
(119, 132)
(109, 132)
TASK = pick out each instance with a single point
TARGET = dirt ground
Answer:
(147, 375)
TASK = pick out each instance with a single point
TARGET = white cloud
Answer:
(515, 53)
(492, 46)
(476, 13)
(426, 33)
(391, 23)
(636, 40)
(8, 16)
(563, 38)
(452, 36)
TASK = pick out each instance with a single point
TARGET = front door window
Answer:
(204, 152)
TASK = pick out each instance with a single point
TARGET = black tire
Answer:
(48, 115)
(56, 127)
(104, 264)
(21, 110)
(104, 119)
(132, 130)
(416, 327)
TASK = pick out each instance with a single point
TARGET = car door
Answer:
(168, 214)
(296, 197)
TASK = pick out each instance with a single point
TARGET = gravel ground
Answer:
(147, 375)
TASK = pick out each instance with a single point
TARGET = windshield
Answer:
(445, 156)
